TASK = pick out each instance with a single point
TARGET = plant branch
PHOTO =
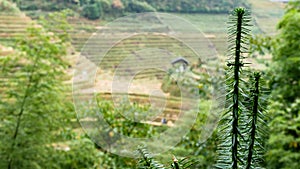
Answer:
(20, 114)
(235, 109)
(254, 119)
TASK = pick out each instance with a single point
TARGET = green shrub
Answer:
(75, 154)
(29, 6)
(91, 11)
(137, 6)
(284, 108)
(8, 7)
(105, 5)
(83, 2)
(50, 6)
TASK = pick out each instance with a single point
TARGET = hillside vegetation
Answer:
(6, 7)
(195, 6)
(94, 9)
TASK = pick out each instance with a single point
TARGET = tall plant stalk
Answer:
(256, 124)
(241, 138)
(254, 120)
(231, 132)
(235, 109)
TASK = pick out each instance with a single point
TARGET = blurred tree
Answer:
(138, 7)
(32, 103)
(91, 11)
(284, 141)
(35, 113)
(9, 8)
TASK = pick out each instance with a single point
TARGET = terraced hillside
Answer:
(128, 53)
(12, 27)
(213, 26)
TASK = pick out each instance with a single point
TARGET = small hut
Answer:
(180, 63)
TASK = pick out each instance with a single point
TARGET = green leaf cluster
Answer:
(284, 142)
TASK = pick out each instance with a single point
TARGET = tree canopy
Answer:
(284, 108)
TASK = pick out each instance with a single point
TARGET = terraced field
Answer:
(135, 62)
(266, 14)
(12, 27)
(213, 26)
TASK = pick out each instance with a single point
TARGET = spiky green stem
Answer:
(235, 110)
(233, 137)
(254, 119)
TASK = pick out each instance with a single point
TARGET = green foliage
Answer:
(99, 9)
(7, 7)
(261, 45)
(284, 82)
(284, 142)
(257, 125)
(138, 6)
(79, 153)
(106, 6)
(241, 132)
(147, 161)
(284, 107)
(41, 5)
(286, 58)
(122, 119)
(284, 49)
(232, 133)
(193, 79)
(193, 144)
(196, 6)
(35, 112)
(116, 8)
(32, 102)
(57, 22)
(91, 11)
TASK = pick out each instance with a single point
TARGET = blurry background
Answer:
(40, 41)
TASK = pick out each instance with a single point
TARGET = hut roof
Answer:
(180, 60)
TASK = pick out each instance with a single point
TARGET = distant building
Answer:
(182, 62)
